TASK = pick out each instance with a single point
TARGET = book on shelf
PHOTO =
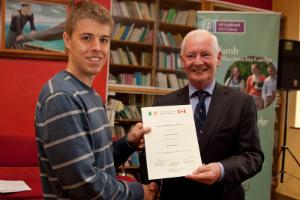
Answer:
(114, 57)
(133, 58)
(191, 21)
(133, 162)
(119, 32)
(130, 60)
(170, 80)
(135, 79)
(115, 30)
(178, 39)
(146, 59)
(169, 39)
(124, 9)
(125, 33)
(112, 107)
(134, 159)
(171, 15)
(121, 56)
(144, 34)
(111, 116)
(130, 31)
(182, 17)
(135, 35)
(162, 80)
(133, 9)
(118, 131)
(129, 112)
(173, 81)
(169, 60)
(114, 104)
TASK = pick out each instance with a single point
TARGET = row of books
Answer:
(133, 9)
(136, 78)
(118, 131)
(169, 60)
(132, 33)
(182, 17)
(121, 56)
(131, 112)
(113, 106)
(142, 99)
(169, 39)
(127, 57)
(170, 81)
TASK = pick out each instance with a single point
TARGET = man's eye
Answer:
(207, 54)
(86, 38)
(190, 56)
(104, 40)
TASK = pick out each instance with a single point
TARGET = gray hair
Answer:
(200, 33)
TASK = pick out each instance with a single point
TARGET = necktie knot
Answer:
(201, 94)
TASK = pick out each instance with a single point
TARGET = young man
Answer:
(270, 85)
(76, 153)
(229, 138)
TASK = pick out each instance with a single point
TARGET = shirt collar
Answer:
(209, 89)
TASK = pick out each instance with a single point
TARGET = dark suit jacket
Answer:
(230, 136)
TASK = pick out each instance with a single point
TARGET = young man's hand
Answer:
(136, 135)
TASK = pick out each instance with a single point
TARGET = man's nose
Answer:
(198, 59)
(96, 45)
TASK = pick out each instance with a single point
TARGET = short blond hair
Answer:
(85, 9)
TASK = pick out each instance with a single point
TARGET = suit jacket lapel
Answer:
(216, 107)
(183, 96)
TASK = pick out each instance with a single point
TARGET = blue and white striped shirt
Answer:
(76, 153)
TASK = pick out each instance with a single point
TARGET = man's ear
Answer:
(219, 58)
(67, 40)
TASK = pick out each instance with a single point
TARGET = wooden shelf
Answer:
(130, 43)
(130, 67)
(168, 48)
(187, 4)
(170, 70)
(175, 28)
(127, 121)
(139, 22)
(132, 89)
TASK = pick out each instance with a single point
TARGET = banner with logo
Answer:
(249, 43)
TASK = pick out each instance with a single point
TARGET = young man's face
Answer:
(199, 61)
(88, 48)
(270, 71)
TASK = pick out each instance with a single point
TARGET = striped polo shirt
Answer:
(76, 153)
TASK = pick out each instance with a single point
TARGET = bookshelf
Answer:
(145, 46)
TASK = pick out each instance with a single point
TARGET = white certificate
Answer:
(172, 148)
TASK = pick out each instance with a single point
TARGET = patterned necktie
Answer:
(200, 112)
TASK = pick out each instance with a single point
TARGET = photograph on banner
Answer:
(255, 76)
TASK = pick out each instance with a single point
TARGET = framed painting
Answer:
(33, 28)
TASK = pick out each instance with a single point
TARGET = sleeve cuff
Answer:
(130, 145)
(136, 189)
(222, 171)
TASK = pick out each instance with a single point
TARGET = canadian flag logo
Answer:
(181, 111)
